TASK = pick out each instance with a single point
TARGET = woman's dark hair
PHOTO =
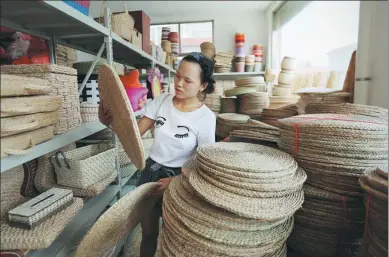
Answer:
(207, 66)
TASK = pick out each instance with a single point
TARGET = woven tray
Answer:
(23, 123)
(124, 124)
(23, 143)
(63, 82)
(13, 85)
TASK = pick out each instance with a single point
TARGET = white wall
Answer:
(229, 17)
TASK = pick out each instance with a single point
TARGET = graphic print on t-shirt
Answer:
(160, 121)
(182, 135)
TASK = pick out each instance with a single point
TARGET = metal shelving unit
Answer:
(59, 23)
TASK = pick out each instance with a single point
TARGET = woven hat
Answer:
(114, 97)
(117, 221)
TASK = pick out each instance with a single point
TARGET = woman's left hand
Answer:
(163, 184)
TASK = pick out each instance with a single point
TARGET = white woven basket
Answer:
(84, 166)
(89, 112)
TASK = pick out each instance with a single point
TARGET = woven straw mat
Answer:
(124, 124)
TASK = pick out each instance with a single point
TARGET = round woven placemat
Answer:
(347, 108)
(246, 157)
(114, 97)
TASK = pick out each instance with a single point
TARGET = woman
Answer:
(182, 123)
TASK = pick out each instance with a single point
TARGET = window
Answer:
(191, 34)
(321, 35)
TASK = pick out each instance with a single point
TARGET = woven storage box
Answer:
(23, 143)
(122, 23)
(63, 81)
(84, 166)
(14, 106)
(23, 123)
(13, 85)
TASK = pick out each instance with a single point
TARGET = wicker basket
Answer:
(121, 23)
(23, 143)
(19, 124)
(89, 112)
(84, 166)
(63, 81)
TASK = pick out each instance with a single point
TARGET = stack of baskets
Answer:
(227, 122)
(28, 114)
(63, 83)
(223, 62)
(285, 78)
(375, 241)
(257, 82)
(334, 150)
(229, 104)
(65, 56)
(236, 199)
(213, 100)
(253, 103)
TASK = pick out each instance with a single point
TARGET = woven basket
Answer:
(23, 143)
(121, 23)
(84, 166)
(12, 85)
(89, 112)
(15, 106)
(63, 82)
(19, 124)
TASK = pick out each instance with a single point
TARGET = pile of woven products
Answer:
(257, 130)
(65, 56)
(227, 122)
(63, 83)
(229, 104)
(213, 101)
(223, 62)
(271, 116)
(253, 103)
(334, 150)
(28, 113)
(375, 240)
(235, 199)
(331, 97)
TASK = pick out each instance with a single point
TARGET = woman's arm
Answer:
(144, 124)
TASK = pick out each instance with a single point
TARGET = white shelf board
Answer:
(55, 143)
(235, 75)
(75, 230)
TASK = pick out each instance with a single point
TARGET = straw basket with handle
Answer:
(121, 23)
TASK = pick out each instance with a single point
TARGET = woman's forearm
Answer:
(145, 124)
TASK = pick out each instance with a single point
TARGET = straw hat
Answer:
(117, 221)
(124, 124)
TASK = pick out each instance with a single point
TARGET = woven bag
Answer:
(121, 23)
(84, 166)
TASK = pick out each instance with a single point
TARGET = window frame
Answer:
(179, 30)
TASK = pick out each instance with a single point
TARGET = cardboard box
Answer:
(142, 24)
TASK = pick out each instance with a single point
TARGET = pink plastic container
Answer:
(239, 66)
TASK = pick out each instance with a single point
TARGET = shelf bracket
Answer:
(91, 68)
(52, 53)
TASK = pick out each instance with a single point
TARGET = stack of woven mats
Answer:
(257, 130)
(235, 199)
(334, 150)
(375, 241)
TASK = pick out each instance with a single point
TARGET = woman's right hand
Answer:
(105, 115)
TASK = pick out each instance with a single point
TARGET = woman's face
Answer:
(187, 81)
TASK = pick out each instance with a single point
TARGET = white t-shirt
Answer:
(177, 134)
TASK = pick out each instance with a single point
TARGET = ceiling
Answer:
(160, 8)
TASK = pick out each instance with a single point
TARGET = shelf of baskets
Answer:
(55, 20)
